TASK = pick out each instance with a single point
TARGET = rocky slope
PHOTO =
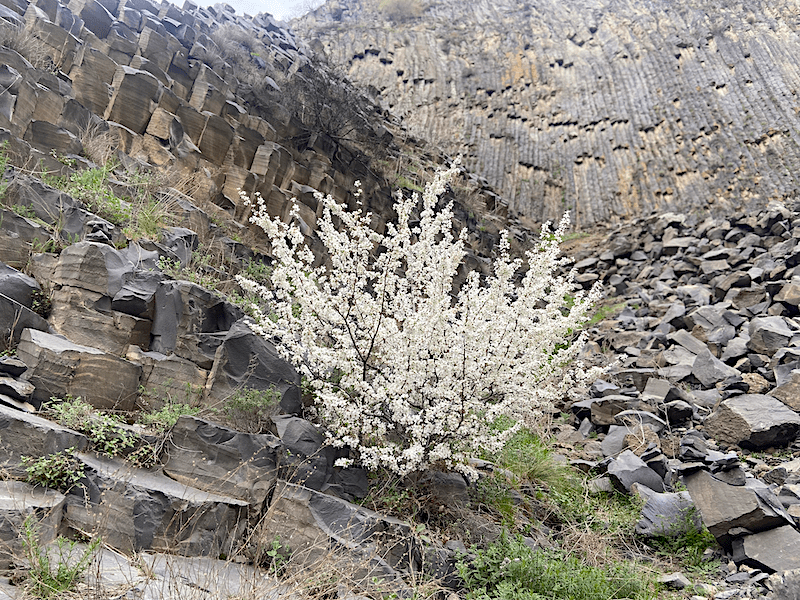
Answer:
(614, 108)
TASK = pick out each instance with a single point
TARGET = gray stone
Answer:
(18, 501)
(220, 460)
(307, 460)
(774, 550)
(628, 469)
(667, 514)
(134, 509)
(768, 335)
(12, 366)
(247, 360)
(19, 390)
(604, 409)
(727, 507)
(17, 286)
(688, 341)
(57, 367)
(789, 391)
(16, 318)
(785, 586)
(753, 421)
(309, 522)
(93, 267)
(190, 321)
(709, 370)
(23, 434)
(675, 581)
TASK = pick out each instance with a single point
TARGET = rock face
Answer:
(610, 107)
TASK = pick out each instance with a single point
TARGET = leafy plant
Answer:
(423, 376)
(690, 544)
(50, 573)
(166, 417)
(105, 432)
(510, 569)
(249, 409)
(59, 471)
(274, 557)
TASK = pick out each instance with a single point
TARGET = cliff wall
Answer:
(615, 108)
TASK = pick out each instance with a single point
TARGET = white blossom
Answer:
(405, 373)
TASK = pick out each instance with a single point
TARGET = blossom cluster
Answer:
(408, 371)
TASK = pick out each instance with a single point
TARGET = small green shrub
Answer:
(511, 570)
(52, 574)
(166, 417)
(105, 432)
(59, 471)
(690, 544)
(249, 409)
(529, 457)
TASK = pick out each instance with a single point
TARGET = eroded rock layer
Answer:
(612, 107)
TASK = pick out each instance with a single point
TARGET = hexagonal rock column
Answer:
(57, 367)
(221, 460)
(134, 509)
(133, 100)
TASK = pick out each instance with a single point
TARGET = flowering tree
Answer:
(409, 372)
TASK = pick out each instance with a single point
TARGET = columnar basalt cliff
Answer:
(614, 108)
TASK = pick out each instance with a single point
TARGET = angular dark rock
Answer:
(709, 370)
(135, 509)
(753, 421)
(726, 507)
(667, 514)
(775, 550)
(210, 457)
(628, 469)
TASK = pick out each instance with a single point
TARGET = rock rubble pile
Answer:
(704, 392)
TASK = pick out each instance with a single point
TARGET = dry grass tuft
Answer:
(22, 40)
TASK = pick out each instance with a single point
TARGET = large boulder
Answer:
(134, 509)
(93, 267)
(727, 509)
(318, 527)
(58, 367)
(753, 421)
(217, 459)
(247, 360)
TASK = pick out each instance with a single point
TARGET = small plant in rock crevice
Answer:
(53, 571)
(58, 471)
(105, 432)
(249, 409)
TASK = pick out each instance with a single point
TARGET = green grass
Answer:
(166, 417)
(511, 570)
(603, 312)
